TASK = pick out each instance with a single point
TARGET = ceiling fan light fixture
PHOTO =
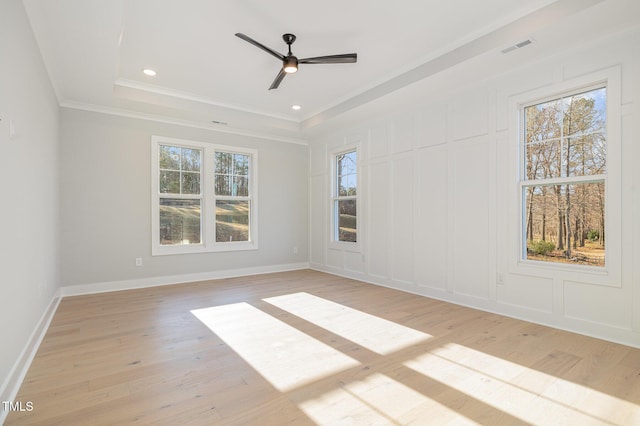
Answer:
(290, 64)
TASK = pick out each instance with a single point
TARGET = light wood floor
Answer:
(305, 347)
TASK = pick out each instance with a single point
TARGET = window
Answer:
(203, 197)
(233, 203)
(180, 197)
(563, 178)
(345, 197)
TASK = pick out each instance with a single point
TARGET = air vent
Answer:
(517, 46)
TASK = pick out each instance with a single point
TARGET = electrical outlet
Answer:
(295, 250)
(138, 261)
(500, 279)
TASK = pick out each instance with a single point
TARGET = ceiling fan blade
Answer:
(346, 58)
(261, 46)
(278, 79)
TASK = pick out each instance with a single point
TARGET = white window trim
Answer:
(208, 228)
(610, 274)
(334, 243)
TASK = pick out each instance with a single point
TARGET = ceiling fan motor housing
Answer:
(290, 64)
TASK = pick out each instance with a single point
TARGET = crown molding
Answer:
(178, 122)
(187, 96)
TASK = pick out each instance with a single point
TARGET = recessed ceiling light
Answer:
(149, 72)
(295, 107)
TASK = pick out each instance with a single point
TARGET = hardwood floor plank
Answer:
(144, 357)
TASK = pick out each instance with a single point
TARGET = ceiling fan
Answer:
(290, 62)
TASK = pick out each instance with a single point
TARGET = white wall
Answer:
(105, 163)
(29, 222)
(438, 192)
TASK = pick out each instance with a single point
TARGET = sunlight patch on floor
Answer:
(532, 396)
(283, 355)
(376, 400)
(374, 333)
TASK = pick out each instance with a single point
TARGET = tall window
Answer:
(203, 197)
(233, 203)
(563, 178)
(180, 197)
(345, 197)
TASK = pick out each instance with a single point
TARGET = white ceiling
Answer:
(95, 50)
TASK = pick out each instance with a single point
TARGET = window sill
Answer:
(199, 248)
(345, 246)
(594, 275)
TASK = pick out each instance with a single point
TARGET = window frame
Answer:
(221, 197)
(610, 273)
(334, 241)
(525, 182)
(208, 199)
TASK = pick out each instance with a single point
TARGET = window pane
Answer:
(222, 185)
(565, 223)
(347, 163)
(585, 155)
(347, 185)
(241, 164)
(179, 221)
(232, 220)
(543, 159)
(346, 173)
(179, 170)
(240, 186)
(191, 159)
(232, 174)
(190, 183)
(543, 121)
(585, 112)
(346, 215)
(566, 137)
(223, 163)
(169, 157)
(169, 182)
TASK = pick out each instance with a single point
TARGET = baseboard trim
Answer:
(12, 384)
(105, 287)
(623, 336)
